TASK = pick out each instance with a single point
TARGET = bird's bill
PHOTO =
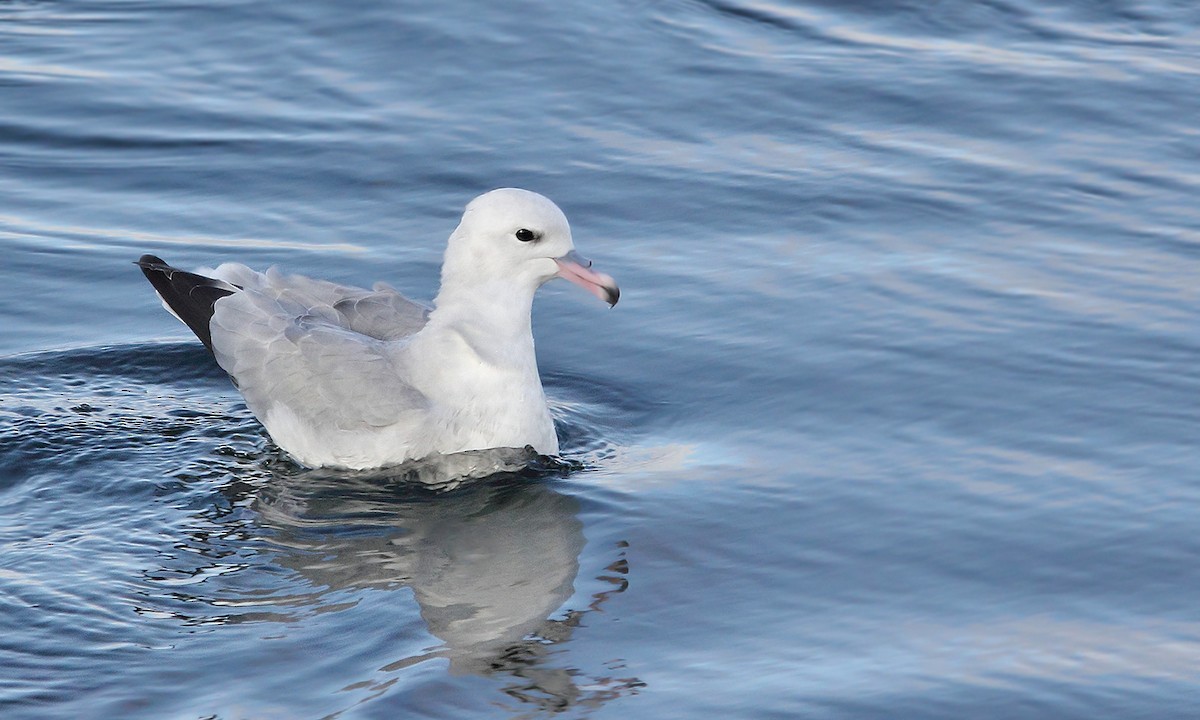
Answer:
(577, 269)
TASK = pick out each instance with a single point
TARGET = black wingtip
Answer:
(151, 262)
(192, 297)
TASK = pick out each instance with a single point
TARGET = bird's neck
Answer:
(475, 359)
(484, 370)
(492, 318)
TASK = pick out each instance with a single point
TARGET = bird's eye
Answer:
(526, 235)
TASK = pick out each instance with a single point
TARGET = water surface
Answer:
(897, 417)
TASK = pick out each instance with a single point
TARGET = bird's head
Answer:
(518, 238)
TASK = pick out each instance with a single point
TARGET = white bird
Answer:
(352, 378)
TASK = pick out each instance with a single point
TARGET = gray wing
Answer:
(325, 353)
(381, 312)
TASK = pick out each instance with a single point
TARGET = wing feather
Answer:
(381, 312)
(316, 352)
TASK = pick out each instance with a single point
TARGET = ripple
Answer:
(156, 513)
(116, 398)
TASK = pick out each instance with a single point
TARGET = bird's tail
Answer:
(188, 296)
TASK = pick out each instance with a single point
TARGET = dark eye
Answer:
(526, 235)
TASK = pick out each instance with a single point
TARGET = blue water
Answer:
(899, 415)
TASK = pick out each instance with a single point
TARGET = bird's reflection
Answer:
(492, 564)
(489, 562)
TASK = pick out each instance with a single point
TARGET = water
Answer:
(898, 415)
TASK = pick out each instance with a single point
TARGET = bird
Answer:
(350, 378)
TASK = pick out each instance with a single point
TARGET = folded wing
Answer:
(316, 354)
